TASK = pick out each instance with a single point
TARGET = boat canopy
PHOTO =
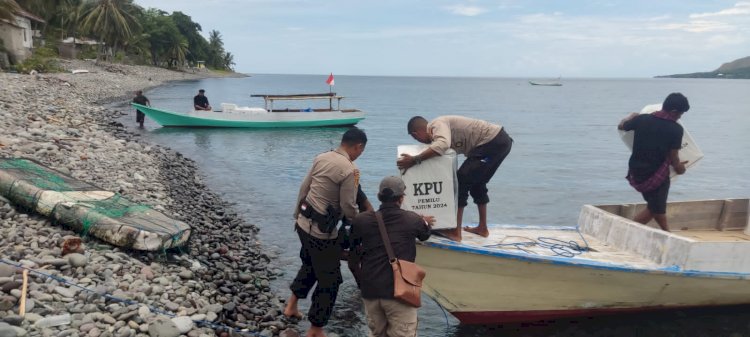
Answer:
(330, 96)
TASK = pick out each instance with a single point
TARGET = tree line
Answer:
(150, 35)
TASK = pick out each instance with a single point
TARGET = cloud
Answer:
(466, 10)
(740, 8)
(699, 26)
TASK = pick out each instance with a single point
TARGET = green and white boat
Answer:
(232, 116)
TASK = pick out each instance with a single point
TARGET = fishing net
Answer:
(88, 209)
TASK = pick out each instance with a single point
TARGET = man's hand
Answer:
(632, 115)
(429, 220)
(405, 162)
(680, 167)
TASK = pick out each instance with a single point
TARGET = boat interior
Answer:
(706, 236)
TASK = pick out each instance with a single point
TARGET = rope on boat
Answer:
(556, 246)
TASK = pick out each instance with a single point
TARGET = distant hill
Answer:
(739, 68)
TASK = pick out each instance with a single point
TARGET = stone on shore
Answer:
(163, 327)
(223, 277)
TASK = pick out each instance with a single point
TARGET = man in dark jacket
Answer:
(386, 316)
(142, 100)
(200, 101)
(656, 145)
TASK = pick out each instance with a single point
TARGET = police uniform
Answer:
(485, 146)
(332, 181)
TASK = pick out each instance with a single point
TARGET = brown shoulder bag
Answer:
(407, 276)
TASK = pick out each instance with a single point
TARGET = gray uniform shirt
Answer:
(459, 133)
(332, 180)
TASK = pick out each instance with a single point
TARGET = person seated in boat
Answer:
(386, 316)
(142, 100)
(485, 146)
(656, 145)
(200, 101)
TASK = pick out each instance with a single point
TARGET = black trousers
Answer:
(139, 116)
(320, 264)
(480, 165)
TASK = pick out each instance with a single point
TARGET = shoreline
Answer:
(222, 276)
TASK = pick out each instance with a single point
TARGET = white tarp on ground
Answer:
(431, 186)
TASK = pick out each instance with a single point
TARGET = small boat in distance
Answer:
(551, 83)
(607, 264)
(233, 116)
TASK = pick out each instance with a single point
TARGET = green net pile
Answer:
(114, 219)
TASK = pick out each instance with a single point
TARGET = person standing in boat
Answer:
(656, 145)
(485, 146)
(200, 101)
(327, 193)
(386, 316)
(142, 100)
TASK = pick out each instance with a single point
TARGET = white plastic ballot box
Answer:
(431, 187)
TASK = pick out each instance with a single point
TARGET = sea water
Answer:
(566, 153)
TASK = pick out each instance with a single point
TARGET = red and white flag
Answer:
(330, 80)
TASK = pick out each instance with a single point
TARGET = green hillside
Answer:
(739, 68)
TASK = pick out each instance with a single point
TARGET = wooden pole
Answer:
(22, 304)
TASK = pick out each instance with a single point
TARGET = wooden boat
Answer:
(607, 264)
(549, 84)
(552, 83)
(232, 116)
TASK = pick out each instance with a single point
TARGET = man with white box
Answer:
(485, 146)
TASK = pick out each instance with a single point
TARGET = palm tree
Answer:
(177, 49)
(8, 9)
(228, 61)
(215, 49)
(112, 21)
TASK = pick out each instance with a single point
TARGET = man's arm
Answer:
(363, 204)
(423, 228)
(348, 196)
(406, 161)
(679, 166)
(304, 189)
(355, 248)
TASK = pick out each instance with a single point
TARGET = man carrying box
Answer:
(485, 146)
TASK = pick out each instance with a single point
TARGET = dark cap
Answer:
(201, 90)
(391, 186)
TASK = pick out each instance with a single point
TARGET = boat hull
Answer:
(479, 288)
(250, 120)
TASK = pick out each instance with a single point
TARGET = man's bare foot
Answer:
(452, 234)
(481, 231)
(291, 310)
(315, 331)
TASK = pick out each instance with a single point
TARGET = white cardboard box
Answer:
(432, 187)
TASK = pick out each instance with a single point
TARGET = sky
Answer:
(475, 38)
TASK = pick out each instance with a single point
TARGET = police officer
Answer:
(328, 194)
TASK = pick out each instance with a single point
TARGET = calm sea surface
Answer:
(566, 153)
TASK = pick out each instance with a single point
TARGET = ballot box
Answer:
(431, 187)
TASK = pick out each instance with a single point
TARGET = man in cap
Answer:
(485, 146)
(327, 194)
(386, 316)
(200, 101)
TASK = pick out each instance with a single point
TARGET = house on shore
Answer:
(18, 36)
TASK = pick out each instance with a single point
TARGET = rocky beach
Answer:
(218, 284)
